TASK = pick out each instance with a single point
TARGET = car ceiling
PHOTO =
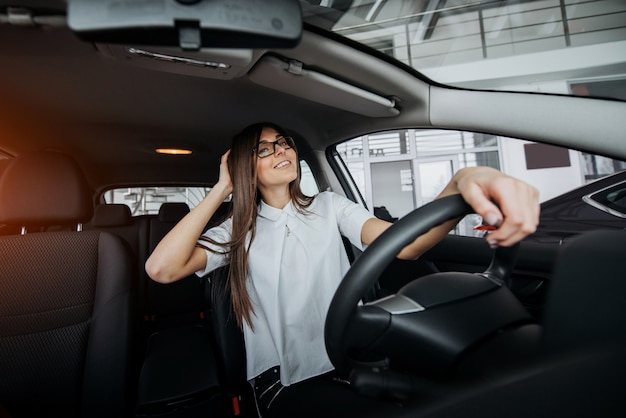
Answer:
(109, 110)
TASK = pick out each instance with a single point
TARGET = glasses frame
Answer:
(289, 143)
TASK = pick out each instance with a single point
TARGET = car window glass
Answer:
(481, 44)
(618, 197)
(396, 172)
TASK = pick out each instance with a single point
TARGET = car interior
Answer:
(89, 90)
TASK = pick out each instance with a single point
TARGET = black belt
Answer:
(267, 386)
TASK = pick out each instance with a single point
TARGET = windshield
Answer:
(551, 46)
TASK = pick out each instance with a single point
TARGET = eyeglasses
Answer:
(266, 148)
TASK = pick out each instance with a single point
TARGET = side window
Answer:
(399, 171)
(148, 200)
(307, 180)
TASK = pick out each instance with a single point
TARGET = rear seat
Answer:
(179, 373)
(180, 303)
(184, 302)
(117, 219)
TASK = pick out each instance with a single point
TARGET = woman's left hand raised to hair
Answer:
(507, 203)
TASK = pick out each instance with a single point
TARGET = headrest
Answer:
(113, 214)
(44, 188)
(173, 211)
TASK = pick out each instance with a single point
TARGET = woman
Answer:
(285, 252)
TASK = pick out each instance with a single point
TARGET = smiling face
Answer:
(279, 169)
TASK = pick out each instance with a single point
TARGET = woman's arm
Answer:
(516, 217)
(176, 256)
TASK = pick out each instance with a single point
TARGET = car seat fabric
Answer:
(66, 300)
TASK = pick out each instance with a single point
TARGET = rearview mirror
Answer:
(189, 24)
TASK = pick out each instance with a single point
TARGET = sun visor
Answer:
(292, 78)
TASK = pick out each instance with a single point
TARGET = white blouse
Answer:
(296, 262)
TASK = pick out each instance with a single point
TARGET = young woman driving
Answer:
(285, 252)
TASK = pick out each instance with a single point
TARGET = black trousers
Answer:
(266, 388)
(322, 396)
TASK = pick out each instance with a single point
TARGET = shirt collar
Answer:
(271, 213)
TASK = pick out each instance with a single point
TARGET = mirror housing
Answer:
(188, 24)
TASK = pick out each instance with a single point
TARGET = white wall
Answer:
(387, 188)
(550, 181)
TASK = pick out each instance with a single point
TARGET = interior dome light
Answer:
(173, 151)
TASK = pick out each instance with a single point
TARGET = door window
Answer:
(402, 170)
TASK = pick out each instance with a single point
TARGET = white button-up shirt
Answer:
(296, 262)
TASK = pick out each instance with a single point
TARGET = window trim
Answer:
(592, 199)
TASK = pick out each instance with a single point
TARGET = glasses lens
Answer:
(265, 149)
(285, 142)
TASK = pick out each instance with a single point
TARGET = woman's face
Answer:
(280, 168)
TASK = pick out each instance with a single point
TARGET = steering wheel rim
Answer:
(368, 267)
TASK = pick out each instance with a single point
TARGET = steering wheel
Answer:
(429, 323)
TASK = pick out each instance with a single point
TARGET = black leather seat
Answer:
(230, 345)
(117, 219)
(183, 302)
(66, 303)
(586, 305)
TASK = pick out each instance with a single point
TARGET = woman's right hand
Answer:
(224, 180)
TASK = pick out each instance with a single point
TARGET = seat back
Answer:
(66, 300)
(585, 304)
(117, 219)
(230, 345)
(580, 371)
(180, 302)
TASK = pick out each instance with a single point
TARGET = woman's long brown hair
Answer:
(242, 164)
